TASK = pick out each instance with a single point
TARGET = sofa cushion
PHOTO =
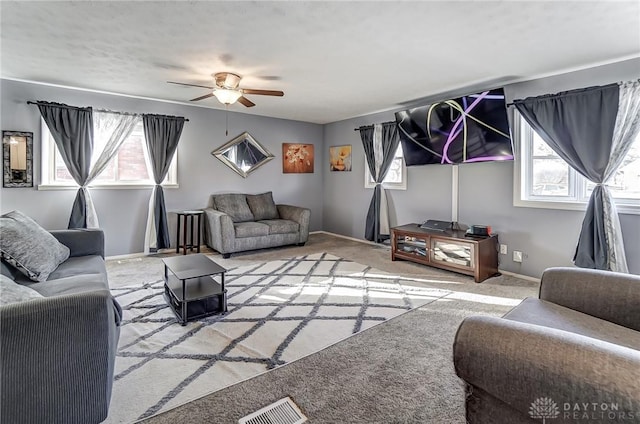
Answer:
(71, 285)
(262, 206)
(80, 265)
(29, 247)
(251, 229)
(234, 205)
(281, 226)
(547, 314)
(13, 292)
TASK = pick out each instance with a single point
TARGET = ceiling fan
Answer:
(227, 90)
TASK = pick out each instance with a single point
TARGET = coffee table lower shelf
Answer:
(204, 297)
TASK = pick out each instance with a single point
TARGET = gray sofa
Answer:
(58, 349)
(573, 355)
(237, 222)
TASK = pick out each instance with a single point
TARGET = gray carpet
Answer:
(397, 372)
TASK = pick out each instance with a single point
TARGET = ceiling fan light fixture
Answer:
(226, 96)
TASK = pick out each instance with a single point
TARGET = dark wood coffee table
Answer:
(194, 287)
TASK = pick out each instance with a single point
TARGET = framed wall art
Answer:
(297, 158)
(340, 158)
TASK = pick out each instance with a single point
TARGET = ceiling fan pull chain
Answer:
(226, 117)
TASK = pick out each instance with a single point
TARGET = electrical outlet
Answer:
(503, 249)
(517, 256)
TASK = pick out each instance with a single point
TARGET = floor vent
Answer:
(283, 411)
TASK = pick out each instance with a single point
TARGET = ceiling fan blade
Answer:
(246, 102)
(190, 85)
(263, 92)
(206, 96)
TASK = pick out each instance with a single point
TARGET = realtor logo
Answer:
(544, 408)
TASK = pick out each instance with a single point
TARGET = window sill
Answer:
(46, 187)
(625, 209)
(388, 186)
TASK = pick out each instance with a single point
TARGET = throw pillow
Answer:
(262, 206)
(29, 247)
(13, 292)
(234, 205)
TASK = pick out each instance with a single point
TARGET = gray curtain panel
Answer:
(379, 157)
(162, 134)
(578, 125)
(72, 130)
(366, 135)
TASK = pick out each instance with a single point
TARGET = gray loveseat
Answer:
(237, 222)
(58, 348)
(573, 355)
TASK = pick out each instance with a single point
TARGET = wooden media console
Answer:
(450, 250)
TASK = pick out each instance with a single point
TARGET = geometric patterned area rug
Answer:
(278, 311)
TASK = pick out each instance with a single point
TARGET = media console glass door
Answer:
(456, 253)
(413, 245)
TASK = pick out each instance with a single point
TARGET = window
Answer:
(544, 180)
(130, 167)
(396, 177)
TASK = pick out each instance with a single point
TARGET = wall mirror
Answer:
(243, 154)
(17, 159)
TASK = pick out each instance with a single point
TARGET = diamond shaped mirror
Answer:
(243, 154)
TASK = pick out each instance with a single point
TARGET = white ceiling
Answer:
(333, 60)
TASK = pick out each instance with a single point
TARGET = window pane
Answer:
(108, 174)
(540, 148)
(394, 175)
(131, 162)
(395, 172)
(104, 125)
(545, 177)
(550, 177)
(130, 165)
(61, 172)
(626, 182)
(399, 152)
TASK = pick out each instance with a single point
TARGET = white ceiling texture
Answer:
(333, 60)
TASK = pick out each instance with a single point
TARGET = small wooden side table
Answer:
(187, 218)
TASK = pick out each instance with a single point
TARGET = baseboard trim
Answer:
(142, 254)
(512, 274)
(349, 238)
(127, 256)
(524, 277)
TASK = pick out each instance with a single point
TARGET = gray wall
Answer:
(547, 237)
(338, 200)
(122, 212)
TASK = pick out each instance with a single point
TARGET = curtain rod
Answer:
(97, 110)
(370, 126)
(571, 92)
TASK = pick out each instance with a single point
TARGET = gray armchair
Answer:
(578, 344)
